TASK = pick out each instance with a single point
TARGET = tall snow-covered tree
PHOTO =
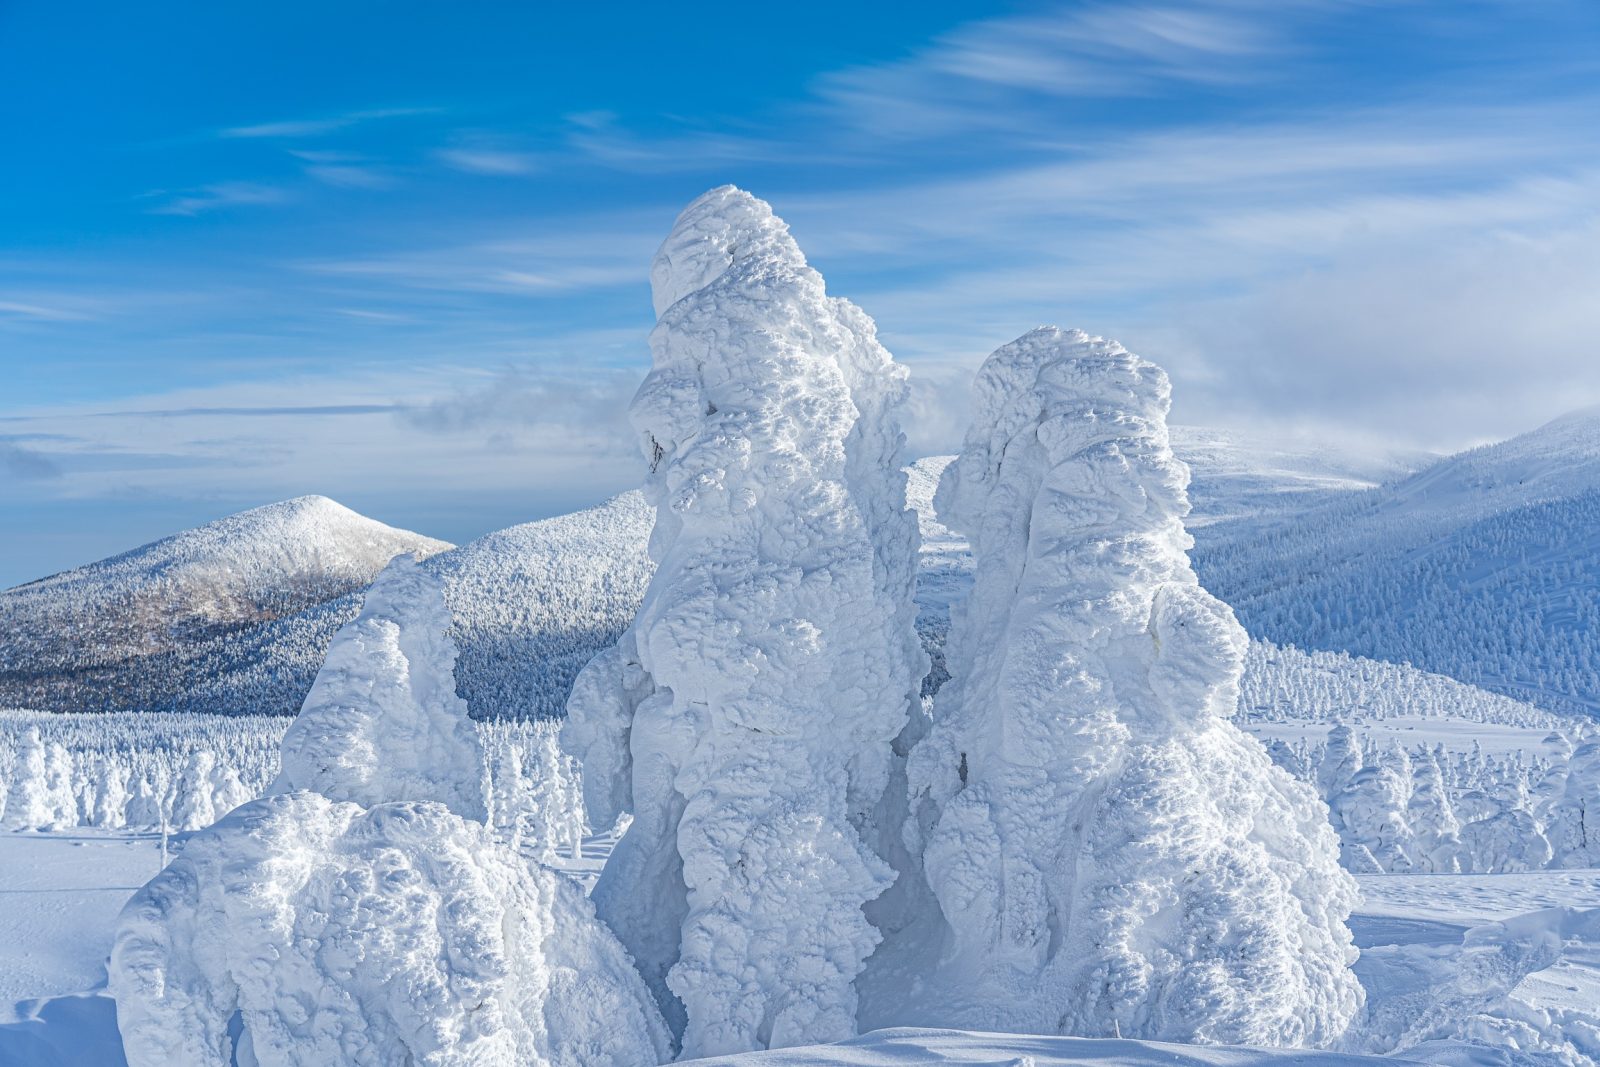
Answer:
(29, 805)
(1435, 830)
(1574, 828)
(382, 721)
(746, 717)
(1110, 854)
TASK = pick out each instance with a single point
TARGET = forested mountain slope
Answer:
(122, 633)
(1483, 567)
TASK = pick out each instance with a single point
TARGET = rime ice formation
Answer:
(746, 717)
(1575, 819)
(1109, 853)
(28, 803)
(382, 721)
(402, 934)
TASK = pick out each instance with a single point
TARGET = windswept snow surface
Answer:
(746, 717)
(399, 934)
(132, 632)
(382, 721)
(907, 1045)
(1110, 854)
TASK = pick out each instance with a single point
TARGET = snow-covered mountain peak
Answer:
(1558, 460)
(719, 229)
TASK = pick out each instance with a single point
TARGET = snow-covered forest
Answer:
(805, 740)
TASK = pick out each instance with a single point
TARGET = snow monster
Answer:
(746, 719)
(1109, 852)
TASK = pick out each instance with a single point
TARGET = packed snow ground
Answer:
(57, 923)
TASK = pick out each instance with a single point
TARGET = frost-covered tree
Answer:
(1109, 852)
(746, 717)
(306, 929)
(1432, 819)
(1341, 759)
(59, 787)
(28, 802)
(1371, 815)
(144, 806)
(382, 720)
(111, 802)
(1507, 841)
(227, 791)
(193, 809)
(1574, 828)
(402, 934)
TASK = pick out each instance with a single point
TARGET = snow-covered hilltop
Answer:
(125, 633)
(530, 605)
(745, 718)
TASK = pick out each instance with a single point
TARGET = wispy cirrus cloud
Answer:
(484, 159)
(1095, 50)
(29, 312)
(316, 127)
(217, 196)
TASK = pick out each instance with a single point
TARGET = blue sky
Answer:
(398, 253)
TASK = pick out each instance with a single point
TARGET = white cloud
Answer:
(492, 161)
(215, 197)
(317, 127)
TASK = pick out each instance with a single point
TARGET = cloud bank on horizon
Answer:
(254, 254)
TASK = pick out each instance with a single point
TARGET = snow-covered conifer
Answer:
(382, 721)
(1433, 823)
(227, 791)
(402, 934)
(1341, 759)
(1110, 853)
(746, 717)
(1574, 828)
(144, 806)
(111, 801)
(193, 809)
(28, 802)
(1371, 816)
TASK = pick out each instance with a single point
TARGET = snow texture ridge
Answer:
(382, 721)
(400, 934)
(746, 717)
(1110, 854)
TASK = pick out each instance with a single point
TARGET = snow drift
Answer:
(746, 717)
(1109, 853)
(382, 721)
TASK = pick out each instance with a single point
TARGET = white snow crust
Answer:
(303, 931)
(746, 717)
(382, 721)
(1110, 854)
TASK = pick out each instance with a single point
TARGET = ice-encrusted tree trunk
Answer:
(746, 717)
(1109, 852)
(383, 721)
